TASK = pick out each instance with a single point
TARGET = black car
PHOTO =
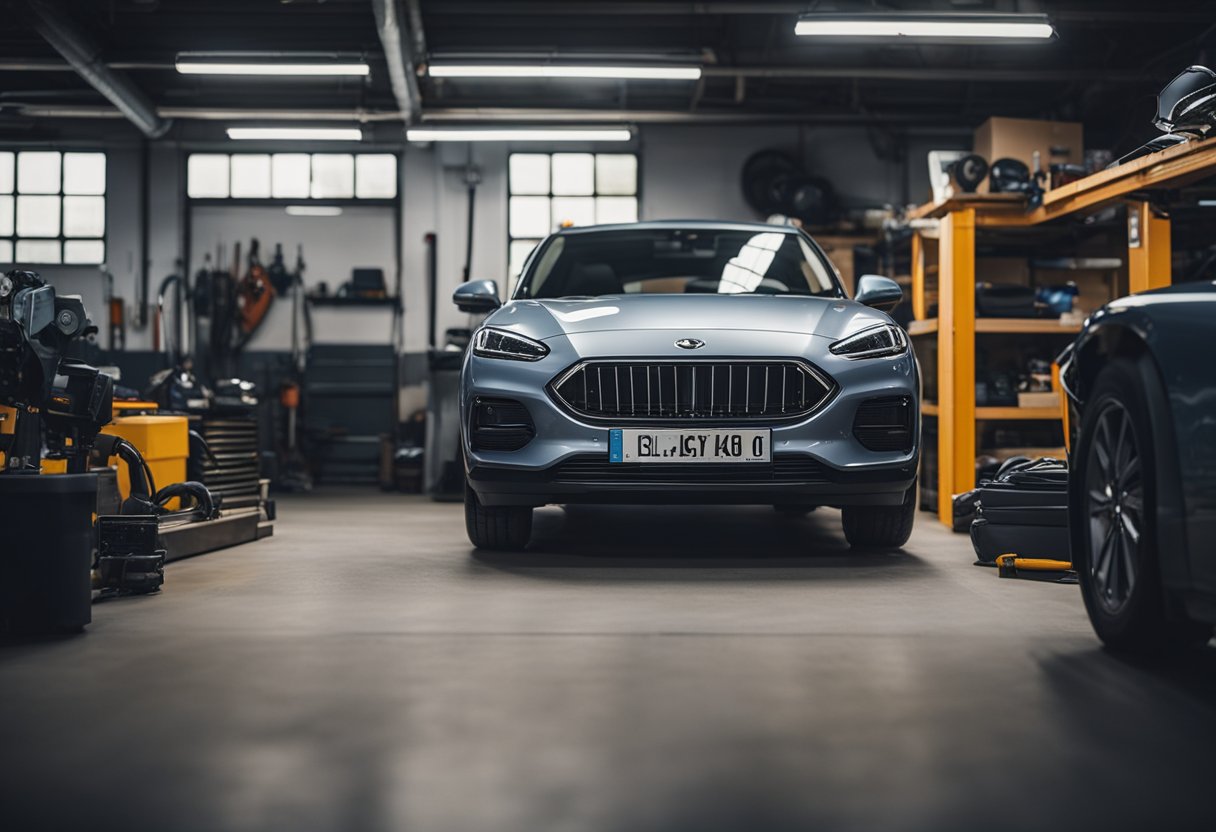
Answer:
(1141, 384)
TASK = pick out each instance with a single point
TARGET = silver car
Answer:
(688, 362)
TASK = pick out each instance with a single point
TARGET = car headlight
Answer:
(498, 343)
(872, 342)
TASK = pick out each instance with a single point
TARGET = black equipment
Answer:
(280, 278)
(130, 559)
(68, 398)
(1023, 511)
(143, 497)
(774, 183)
(1186, 111)
(1006, 300)
(969, 172)
(47, 522)
(1010, 176)
(1187, 105)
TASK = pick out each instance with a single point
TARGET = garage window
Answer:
(291, 176)
(556, 190)
(52, 207)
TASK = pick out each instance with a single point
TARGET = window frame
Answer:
(61, 238)
(272, 201)
(514, 279)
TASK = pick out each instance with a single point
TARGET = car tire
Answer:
(880, 527)
(502, 528)
(1115, 507)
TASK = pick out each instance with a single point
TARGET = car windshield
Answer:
(678, 261)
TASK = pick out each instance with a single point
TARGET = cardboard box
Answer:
(1050, 399)
(1019, 138)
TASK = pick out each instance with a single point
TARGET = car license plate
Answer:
(700, 445)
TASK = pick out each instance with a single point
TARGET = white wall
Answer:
(686, 171)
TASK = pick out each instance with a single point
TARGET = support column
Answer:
(919, 307)
(1148, 249)
(956, 360)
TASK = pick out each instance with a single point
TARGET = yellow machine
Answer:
(164, 443)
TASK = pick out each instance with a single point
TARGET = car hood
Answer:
(826, 317)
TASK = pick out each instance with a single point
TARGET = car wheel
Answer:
(1116, 510)
(506, 528)
(880, 527)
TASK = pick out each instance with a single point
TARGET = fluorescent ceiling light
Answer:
(192, 68)
(292, 64)
(983, 27)
(651, 73)
(314, 210)
(323, 134)
(518, 134)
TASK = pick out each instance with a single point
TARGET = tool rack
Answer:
(956, 327)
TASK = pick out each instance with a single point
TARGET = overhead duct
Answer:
(398, 53)
(85, 57)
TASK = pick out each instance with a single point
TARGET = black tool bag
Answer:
(1023, 511)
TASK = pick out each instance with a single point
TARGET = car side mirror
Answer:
(477, 296)
(879, 292)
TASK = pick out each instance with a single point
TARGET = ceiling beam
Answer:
(868, 73)
(893, 73)
(399, 54)
(1079, 15)
(85, 57)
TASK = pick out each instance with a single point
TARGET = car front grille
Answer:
(597, 470)
(692, 390)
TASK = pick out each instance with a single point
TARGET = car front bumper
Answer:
(816, 460)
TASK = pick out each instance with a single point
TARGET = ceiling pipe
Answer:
(398, 53)
(463, 116)
(414, 7)
(85, 57)
(88, 111)
(868, 73)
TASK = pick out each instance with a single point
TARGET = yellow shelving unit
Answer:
(956, 326)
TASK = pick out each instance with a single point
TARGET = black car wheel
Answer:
(507, 528)
(1116, 519)
(880, 527)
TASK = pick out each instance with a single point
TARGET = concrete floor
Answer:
(638, 669)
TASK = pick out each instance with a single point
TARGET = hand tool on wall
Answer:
(254, 294)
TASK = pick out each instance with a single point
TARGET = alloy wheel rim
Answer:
(1114, 492)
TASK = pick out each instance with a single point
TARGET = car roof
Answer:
(670, 225)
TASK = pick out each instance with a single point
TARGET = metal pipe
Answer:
(399, 56)
(85, 57)
(414, 7)
(214, 114)
(959, 74)
(550, 116)
(441, 115)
